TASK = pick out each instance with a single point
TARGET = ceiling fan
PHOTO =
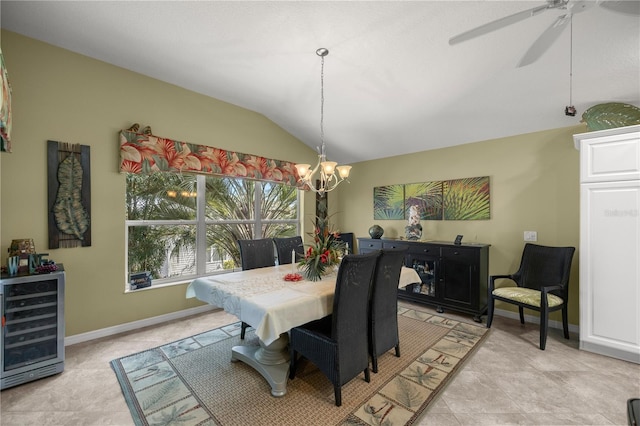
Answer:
(551, 34)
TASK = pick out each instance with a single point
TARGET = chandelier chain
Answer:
(322, 106)
(326, 175)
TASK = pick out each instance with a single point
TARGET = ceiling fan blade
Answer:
(626, 7)
(498, 24)
(546, 39)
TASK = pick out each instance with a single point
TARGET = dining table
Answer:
(272, 300)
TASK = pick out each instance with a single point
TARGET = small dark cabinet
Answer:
(454, 276)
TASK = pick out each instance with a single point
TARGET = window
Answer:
(181, 226)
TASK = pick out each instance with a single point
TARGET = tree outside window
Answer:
(181, 226)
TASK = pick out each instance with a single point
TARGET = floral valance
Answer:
(146, 153)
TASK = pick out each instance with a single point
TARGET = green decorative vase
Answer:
(376, 231)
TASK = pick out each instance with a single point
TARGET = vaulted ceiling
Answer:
(393, 83)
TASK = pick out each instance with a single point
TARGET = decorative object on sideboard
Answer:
(324, 171)
(5, 107)
(23, 258)
(21, 248)
(413, 230)
(69, 178)
(611, 115)
(376, 232)
(13, 263)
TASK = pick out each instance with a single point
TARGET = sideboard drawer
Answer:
(394, 245)
(424, 249)
(462, 254)
(370, 245)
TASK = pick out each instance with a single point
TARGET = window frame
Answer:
(201, 223)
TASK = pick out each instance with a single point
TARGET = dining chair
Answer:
(255, 254)
(285, 247)
(542, 285)
(383, 310)
(347, 238)
(338, 344)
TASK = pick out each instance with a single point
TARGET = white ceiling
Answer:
(393, 84)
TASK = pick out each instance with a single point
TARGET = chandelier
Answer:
(325, 171)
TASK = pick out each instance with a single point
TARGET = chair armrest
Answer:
(493, 278)
(546, 290)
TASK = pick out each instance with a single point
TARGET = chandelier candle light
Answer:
(325, 171)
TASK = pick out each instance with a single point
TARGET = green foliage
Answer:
(229, 214)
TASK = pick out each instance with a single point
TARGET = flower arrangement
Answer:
(325, 251)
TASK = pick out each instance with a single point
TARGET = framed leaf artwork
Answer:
(69, 195)
(388, 202)
(466, 199)
(426, 197)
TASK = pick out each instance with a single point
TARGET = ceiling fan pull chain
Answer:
(570, 110)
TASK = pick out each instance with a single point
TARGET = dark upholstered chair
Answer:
(347, 237)
(542, 285)
(383, 311)
(284, 247)
(338, 343)
(255, 254)
(633, 412)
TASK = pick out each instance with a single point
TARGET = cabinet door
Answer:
(609, 155)
(427, 269)
(609, 269)
(459, 277)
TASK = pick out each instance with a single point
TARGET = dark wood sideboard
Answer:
(453, 276)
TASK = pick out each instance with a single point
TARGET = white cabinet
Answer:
(610, 242)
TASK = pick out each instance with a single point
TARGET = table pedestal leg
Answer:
(271, 361)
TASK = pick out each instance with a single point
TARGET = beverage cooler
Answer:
(32, 338)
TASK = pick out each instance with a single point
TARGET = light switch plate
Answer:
(530, 236)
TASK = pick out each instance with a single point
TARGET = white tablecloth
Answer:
(262, 298)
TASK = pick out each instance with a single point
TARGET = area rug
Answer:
(193, 381)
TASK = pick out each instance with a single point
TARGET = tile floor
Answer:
(508, 381)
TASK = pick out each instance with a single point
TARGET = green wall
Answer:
(63, 96)
(534, 187)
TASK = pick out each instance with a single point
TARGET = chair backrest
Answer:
(256, 253)
(284, 247)
(347, 237)
(384, 300)
(544, 266)
(351, 300)
(384, 291)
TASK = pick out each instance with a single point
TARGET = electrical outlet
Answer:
(530, 236)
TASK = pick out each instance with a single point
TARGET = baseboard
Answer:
(535, 320)
(110, 331)
(121, 328)
(626, 354)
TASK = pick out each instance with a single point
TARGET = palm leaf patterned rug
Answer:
(193, 381)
